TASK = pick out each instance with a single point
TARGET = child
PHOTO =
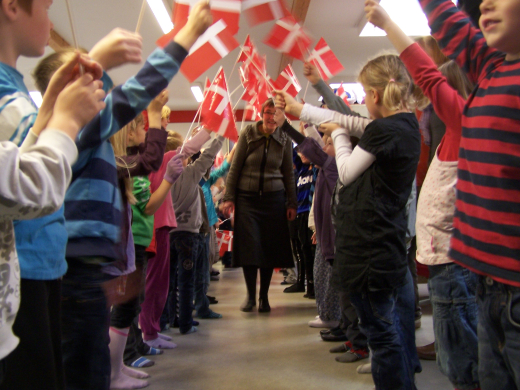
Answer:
(35, 181)
(40, 242)
(452, 288)
(92, 211)
(486, 222)
(187, 246)
(376, 179)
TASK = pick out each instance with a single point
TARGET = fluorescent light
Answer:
(37, 98)
(407, 14)
(161, 14)
(197, 92)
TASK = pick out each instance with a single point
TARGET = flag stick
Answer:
(306, 88)
(243, 93)
(140, 19)
(261, 72)
(74, 38)
(236, 89)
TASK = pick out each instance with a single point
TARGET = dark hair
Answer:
(267, 103)
(472, 9)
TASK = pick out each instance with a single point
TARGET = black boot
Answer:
(263, 305)
(310, 291)
(248, 306)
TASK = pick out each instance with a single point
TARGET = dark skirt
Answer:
(261, 233)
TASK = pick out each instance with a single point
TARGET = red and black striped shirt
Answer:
(486, 235)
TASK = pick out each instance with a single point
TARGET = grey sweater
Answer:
(186, 190)
(249, 171)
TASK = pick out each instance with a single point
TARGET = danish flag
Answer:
(261, 11)
(288, 82)
(225, 241)
(288, 37)
(343, 94)
(216, 111)
(227, 10)
(216, 43)
(251, 113)
(327, 63)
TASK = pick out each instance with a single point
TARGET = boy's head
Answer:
(28, 24)
(500, 23)
(43, 72)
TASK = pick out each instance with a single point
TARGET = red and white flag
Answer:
(207, 84)
(251, 113)
(247, 51)
(225, 241)
(343, 94)
(216, 111)
(325, 60)
(227, 10)
(288, 37)
(288, 82)
(216, 43)
(261, 11)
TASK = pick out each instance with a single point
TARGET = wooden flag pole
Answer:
(140, 18)
(74, 38)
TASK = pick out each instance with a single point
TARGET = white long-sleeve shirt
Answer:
(33, 184)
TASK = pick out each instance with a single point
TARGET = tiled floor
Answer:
(275, 351)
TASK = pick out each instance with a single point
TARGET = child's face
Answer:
(34, 30)
(329, 146)
(500, 23)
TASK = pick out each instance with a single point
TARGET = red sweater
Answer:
(446, 101)
(487, 218)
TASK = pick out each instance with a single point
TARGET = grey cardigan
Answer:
(246, 171)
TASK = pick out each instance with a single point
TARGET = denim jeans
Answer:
(202, 277)
(452, 294)
(388, 320)
(498, 335)
(85, 320)
(185, 249)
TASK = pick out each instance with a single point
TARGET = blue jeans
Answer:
(202, 277)
(85, 320)
(498, 335)
(452, 294)
(388, 320)
(185, 250)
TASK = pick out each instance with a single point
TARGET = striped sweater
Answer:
(93, 202)
(487, 216)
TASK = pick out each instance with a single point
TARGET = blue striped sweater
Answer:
(93, 202)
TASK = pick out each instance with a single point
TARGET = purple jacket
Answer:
(327, 178)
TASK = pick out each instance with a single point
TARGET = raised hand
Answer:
(328, 128)
(286, 102)
(174, 169)
(198, 22)
(376, 14)
(117, 48)
(279, 117)
(311, 73)
(77, 105)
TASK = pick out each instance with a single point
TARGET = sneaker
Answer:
(318, 323)
(295, 288)
(211, 316)
(342, 348)
(353, 355)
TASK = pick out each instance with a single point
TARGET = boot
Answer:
(310, 291)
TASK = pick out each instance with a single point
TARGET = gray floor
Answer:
(267, 351)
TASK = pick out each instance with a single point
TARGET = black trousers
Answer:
(250, 273)
(36, 363)
(306, 248)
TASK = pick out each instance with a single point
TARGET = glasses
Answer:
(269, 113)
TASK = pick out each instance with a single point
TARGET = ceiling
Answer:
(337, 21)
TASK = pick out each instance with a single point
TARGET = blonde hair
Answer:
(173, 141)
(388, 75)
(457, 79)
(119, 143)
(165, 112)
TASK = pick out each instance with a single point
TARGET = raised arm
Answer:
(354, 124)
(447, 103)
(351, 164)
(333, 101)
(459, 39)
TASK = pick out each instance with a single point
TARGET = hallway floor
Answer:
(268, 351)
